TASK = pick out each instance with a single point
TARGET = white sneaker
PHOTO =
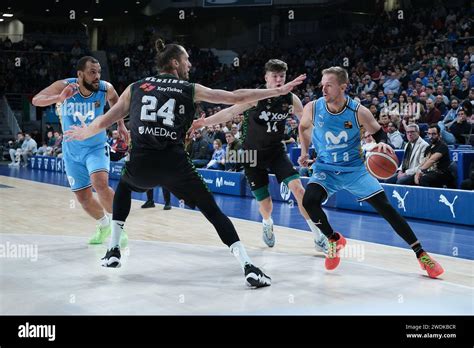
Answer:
(268, 235)
(321, 244)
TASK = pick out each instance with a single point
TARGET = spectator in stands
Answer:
(44, 150)
(374, 111)
(394, 136)
(292, 132)
(433, 115)
(235, 131)
(119, 147)
(434, 171)
(392, 84)
(464, 90)
(440, 105)
(440, 91)
(369, 86)
(384, 120)
(58, 144)
(233, 148)
(50, 139)
(368, 142)
(219, 134)
(49, 128)
(217, 161)
(27, 150)
(461, 127)
(14, 146)
(452, 112)
(412, 157)
(199, 153)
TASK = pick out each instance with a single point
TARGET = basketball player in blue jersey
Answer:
(334, 121)
(79, 101)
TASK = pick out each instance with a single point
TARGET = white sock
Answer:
(240, 254)
(104, 221)
(117, 228)
(268, 221)
(317, 232)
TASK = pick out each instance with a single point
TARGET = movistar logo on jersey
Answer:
(272, 116)
(81, 112)
(336, 141)
(157, 132)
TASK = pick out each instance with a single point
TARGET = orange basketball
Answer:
(380, 164)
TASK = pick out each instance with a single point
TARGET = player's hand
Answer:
(382, 147)
(303, 160)
(123, 132)
(76, 133)
(285, 89)
(199, 123)
(68, 91)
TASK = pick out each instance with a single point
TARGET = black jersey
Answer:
(161, 111)
(264, 124)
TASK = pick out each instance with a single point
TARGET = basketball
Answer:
(380, 164)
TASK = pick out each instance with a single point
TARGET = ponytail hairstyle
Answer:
(166, 53)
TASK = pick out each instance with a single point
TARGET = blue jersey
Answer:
(78, 109)
(336, 137)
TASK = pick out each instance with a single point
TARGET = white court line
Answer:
(220, 248)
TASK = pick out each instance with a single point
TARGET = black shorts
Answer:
(277, 161)
(170, 168)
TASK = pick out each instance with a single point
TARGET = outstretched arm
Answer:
(112, 98)
(242, 96)
(222, 116)
(116, 113)
(57, 92)
(297, 107)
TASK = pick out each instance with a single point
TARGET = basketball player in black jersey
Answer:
(263, 132)
(161, 110)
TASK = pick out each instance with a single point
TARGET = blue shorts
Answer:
(80, 168)
(360, 183)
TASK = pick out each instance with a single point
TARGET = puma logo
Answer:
(401, 201)
(444, 200)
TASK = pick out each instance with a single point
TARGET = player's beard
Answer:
(183, 74)
(90, 87)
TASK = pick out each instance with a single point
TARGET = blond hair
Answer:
(341, 74)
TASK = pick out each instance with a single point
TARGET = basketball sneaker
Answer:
(334, 247)
(268, 235)
(123, 239)
(321, 244)
(429, 265)
(101, 233)
(255, 278)
(112, 258)
(148, 204)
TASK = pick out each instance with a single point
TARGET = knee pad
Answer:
(261, 193)
(314, 194)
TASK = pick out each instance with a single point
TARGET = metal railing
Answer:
(9, 116)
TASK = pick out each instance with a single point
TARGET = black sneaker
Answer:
(167, 206)
(255, 278)
(148, 204)
(112, 258)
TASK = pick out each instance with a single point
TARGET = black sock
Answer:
(418, 249)
(334, 236)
